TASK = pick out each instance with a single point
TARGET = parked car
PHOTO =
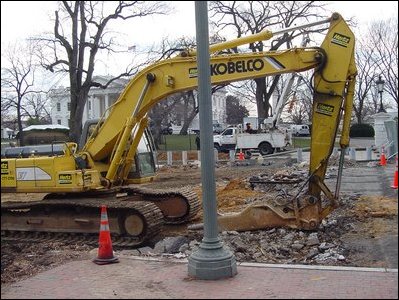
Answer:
(166, 130)
(298, 130)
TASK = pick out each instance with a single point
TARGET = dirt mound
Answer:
(234, 195)
(22, 260)
(376, 206)
(231, 197)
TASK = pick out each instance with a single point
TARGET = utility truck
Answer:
(265, 142)
(264, 137)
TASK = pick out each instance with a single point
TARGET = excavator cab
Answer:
(143, 167)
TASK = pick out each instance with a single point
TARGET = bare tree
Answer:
(365, 81)
(190, 110)
(384, 39)
(298, 106)
(160, 114)
(17, 80)
(235, 111)
(183, 107)
(36, 108)
(251, 17)
(74, 50)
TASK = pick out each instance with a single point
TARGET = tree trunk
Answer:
(78, 101)
(260, 100)
(189, 111)
(188, 120)
(21, 133)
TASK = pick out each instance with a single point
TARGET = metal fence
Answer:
(178, 142)
(391, 128)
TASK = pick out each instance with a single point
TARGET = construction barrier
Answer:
(240, 155)
(395, 176)
(105, 252)
(299, 155)
(356, 154)
(232, 155)
(383, 160)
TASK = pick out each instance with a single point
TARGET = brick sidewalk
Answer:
(138, 278)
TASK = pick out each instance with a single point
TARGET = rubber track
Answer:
(153, 195)
(75, 238)
(150, 212)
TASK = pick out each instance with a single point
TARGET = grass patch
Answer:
(300, 142)
(178, 142)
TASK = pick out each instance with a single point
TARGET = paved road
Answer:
(373, 180)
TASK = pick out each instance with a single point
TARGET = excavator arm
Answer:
(180, 74)
(334, 82)
(109, 149)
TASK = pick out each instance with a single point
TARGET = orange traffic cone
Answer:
(395, 176)
(105, 252)
(383, 160)
(240, 155)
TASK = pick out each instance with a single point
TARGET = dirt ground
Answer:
(363, 222)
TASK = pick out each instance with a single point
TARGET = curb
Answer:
(277, 266)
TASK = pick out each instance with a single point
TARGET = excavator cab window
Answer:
(144, 165)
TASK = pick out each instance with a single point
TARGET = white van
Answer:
(298, 130)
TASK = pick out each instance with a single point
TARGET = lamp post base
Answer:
(212, 261)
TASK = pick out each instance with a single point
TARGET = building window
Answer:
(69, 106)
(89, 102)
(58, 106)
(58, 121)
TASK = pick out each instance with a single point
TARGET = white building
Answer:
(218, 109)
(6, 133)
(100, 99)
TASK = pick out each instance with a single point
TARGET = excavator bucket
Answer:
(270, 215)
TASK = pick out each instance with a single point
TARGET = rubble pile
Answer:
(276, 245)
(348, 163)
(281, 180)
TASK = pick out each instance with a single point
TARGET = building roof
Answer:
(7, 129)
(118, 84)
(44, 127)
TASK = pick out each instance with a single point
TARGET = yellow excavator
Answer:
(118, 155)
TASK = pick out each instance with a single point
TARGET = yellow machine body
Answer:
(108, 156)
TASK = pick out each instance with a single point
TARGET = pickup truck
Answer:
(234, 138)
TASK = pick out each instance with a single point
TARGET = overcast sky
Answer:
(22, 19)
